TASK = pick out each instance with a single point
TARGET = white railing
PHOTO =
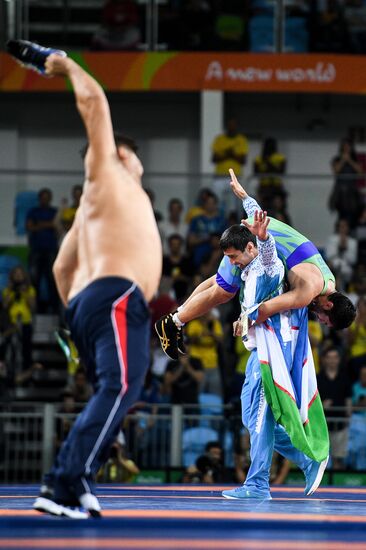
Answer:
(31, 432)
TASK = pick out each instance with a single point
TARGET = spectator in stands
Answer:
(357, 430)
(174, 224)
(182, 381)
(205, 336)
(158, 216)
(66, 214)
(210, 262)
(345, 198)
(30, 377)
(329, 29)
(230, 25)
(202, 227)
(241, 453)
(355, 15)
(229, 150)
(119, 468)
(197, 25)
(43, 245)
(359, 392)
(150, 396)
(164, 302)
(158, 359)
(341, 253)
(280, 469)
(356, 340)
(270, 165)
(197, 208)
(148, 428)
(315, 338)
(6, 387)
(209, 467)
(19, 299)
(360, 236)
(121, 26)
(64, 422)
(7, 329)
(357, 287)
(80, 389)
(335, 390)
(178, 267)
(278, 208)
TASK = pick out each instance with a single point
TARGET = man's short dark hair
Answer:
(213, 445)
(175, 201)
(237, 236)
(119, 139)
(175, 237)
(343, 312)
(44, 190)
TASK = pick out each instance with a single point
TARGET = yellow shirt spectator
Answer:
(358, 346)
(203, 345)
(19, 305)
(229, 150)
(315, 337)
(357, 331)
(221, 148)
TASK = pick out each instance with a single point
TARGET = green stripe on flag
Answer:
(313, 438)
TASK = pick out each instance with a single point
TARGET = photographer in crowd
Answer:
(19, 299)
(209, 467)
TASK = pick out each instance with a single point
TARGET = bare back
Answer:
(116, 232)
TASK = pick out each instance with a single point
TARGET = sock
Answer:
(177, 321)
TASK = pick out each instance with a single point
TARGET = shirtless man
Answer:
(108, 268)
(310, 279)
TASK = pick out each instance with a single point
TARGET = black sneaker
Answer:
(180, 342)
(31, 55)
(168, 331)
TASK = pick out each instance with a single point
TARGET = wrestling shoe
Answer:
(180, 342)
(314, 474)
(168, 331)
(243, 493)
(31, 55)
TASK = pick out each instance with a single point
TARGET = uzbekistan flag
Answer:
(290, 385)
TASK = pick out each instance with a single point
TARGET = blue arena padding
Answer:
(189, 517)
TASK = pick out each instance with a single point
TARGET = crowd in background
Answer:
(236, 25)
(214, 368)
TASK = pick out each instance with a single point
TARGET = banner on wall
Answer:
(181, 71)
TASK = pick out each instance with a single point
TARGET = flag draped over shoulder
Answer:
(290, 386)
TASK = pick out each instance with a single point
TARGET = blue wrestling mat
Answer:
(188, 517)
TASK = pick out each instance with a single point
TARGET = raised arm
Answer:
(93, 107)
(266, 244)
(250, 205)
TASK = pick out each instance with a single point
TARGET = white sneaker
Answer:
(73, 513)
(49, 506)
(91, 503)
(42, 504)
